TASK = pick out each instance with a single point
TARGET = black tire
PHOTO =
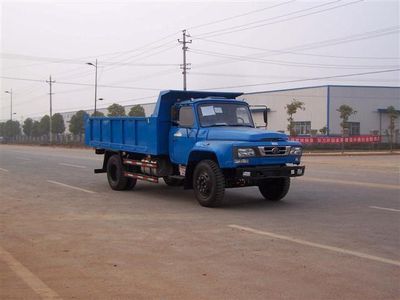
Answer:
(173, 181)
(274, 189)
(208, 183)
(130, 184)
(115, 174)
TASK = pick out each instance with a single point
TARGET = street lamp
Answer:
(11, 93)
(95, 85)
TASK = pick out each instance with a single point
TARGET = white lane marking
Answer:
(71, 165)
(56, 155)
(321, 246)
(22, 158)
(71, 187)
(34, 282)
(357, 183)
(4, 170)
(385, 208)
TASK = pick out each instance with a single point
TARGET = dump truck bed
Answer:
(131, 134)
(145, 135)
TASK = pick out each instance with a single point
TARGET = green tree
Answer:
(77, 123)
(36, 129)
(2, 126)
(44, 125)
(57, 124)
(345, 112)
(115, 110)
(393, 115)
(323, 130)
(137, 111)
(12, 129)
(27, 127)
(98, 114)
(291, 109)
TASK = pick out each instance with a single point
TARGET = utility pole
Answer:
(185, 66)
(50, 82)
(11, 94)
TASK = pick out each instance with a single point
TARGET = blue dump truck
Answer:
(205, 141)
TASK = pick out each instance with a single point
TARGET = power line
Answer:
(320, 44)
(138, 48)
(240, 15)
(286, 63)
(299, 80)
(74, 109)
(129, 60)
(114, 54)
(40, 96)
(297, 53)
(269, 76)
(74, 61)
(243, 26)
(82, 84)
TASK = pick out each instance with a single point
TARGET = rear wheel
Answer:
(274, 189)
(173, 181)
(130, 184)
(208, 183)
(115, 174)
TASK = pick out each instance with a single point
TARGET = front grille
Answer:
(274, 150)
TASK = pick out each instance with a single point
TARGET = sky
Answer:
(235, 46)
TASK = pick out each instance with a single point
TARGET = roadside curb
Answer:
(350, 153)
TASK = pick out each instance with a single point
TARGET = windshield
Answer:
(224, 114)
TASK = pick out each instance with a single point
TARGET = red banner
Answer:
(337, 140)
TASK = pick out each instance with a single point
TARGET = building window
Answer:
(303, 127)
(353, 128)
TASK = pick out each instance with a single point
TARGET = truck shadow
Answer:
(251, 200)
(248, 198)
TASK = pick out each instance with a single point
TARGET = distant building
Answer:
(321, 104)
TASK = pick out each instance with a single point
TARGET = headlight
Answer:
(296, 151)
(245, 152)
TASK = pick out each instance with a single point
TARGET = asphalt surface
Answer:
(64, 234)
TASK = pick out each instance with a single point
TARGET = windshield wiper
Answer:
(215, 125)
(241, 125)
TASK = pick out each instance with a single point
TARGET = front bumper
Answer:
(256, 173)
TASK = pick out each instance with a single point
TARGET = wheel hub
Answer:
(203, 184)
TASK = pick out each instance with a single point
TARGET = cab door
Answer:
(183, 135)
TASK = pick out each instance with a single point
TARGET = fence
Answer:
(362, 142)
(58, 139)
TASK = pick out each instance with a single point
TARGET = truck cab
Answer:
(205, 141)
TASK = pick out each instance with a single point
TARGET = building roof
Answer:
(324, 86)
(385, 110)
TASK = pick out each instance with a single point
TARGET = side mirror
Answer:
(265, 115)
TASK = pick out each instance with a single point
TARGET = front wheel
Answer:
(208, 183)
(274, 189)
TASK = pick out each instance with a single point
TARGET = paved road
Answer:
(65, 235)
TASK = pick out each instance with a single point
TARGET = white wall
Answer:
(366, 101)
(313, 98)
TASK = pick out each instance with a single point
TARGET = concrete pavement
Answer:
(65, 234)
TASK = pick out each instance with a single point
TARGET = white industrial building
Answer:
(321, 104)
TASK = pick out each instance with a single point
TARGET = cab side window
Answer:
(186, 116)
